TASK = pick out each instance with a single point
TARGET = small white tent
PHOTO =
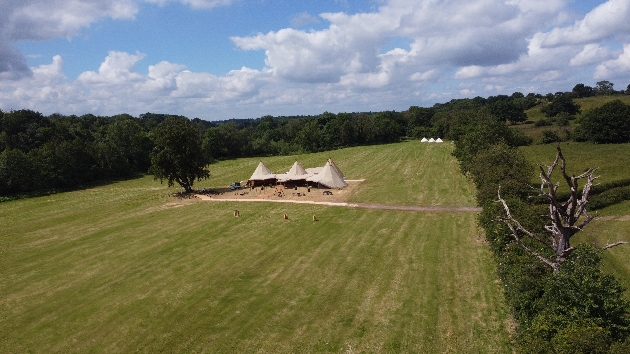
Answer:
(438, 140)
(431, 140)
(424, 140)
(329, 177)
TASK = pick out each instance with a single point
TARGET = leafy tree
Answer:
(16, 171)
(581, 91)
(477, 133)
(609, 123)
(309, 137)
(508, 110)
(580, 298)
(388, 129)
(500, 164)
(559, 104)
(177, 155)
(604, 88)
(549, 136)
(418, 117)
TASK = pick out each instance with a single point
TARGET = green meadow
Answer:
(126, 267)
(535, 114)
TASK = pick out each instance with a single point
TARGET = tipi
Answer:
(261, 175)
(431, 140)
(329, 177)
(438, 140)
(296, 173)
(424, 140)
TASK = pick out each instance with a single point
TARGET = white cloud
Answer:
(619, 67)
(592, 53)
(118, 68)
(450, 48)
(607, 20)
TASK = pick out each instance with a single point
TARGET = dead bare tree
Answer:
(567, 218)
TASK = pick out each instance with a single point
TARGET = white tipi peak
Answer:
(424, 140)
(431, 140)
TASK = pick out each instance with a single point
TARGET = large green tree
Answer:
(609, 123)
(177, 155)
(559, 104)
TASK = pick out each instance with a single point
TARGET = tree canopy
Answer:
(177, 156)
(609, 123)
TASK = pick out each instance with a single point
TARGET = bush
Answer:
(549, 136)
(580, 293)
(620, 347)
(576, 340)
(543, 123)
(609, 197)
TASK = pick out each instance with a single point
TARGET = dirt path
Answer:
(349, 205)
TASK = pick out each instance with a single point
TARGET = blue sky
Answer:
(221, 59)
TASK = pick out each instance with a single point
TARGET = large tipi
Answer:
(262, 175)
(329, 177)
(296, 173)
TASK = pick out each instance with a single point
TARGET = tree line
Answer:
(561, 299)
(53, 152)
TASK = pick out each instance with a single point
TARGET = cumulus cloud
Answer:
(619, 67)
(607, 20)
(118, 68)
(443, 34)
(592, 53)
(37, 20)
(450, 49)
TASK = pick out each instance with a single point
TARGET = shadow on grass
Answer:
(82, 186)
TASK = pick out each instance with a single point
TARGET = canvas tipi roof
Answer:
(262, 173)
(424, 140)
(329, 177)
(431, 140)
(297, 172)
(438, 140)
(332, 163)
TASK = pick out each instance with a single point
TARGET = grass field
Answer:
(125, 267)
(408, 173)
(612, 160)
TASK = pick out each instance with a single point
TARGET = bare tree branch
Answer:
(564, 216)
(613, 244)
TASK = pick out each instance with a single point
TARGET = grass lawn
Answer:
(125, 267)
(611, 225)
(613, 160)
(407, 173)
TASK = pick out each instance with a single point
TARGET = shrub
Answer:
(609, 197)
(549, 136)
(576, 340)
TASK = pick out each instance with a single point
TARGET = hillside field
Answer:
(534, 114)
(126, 267)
